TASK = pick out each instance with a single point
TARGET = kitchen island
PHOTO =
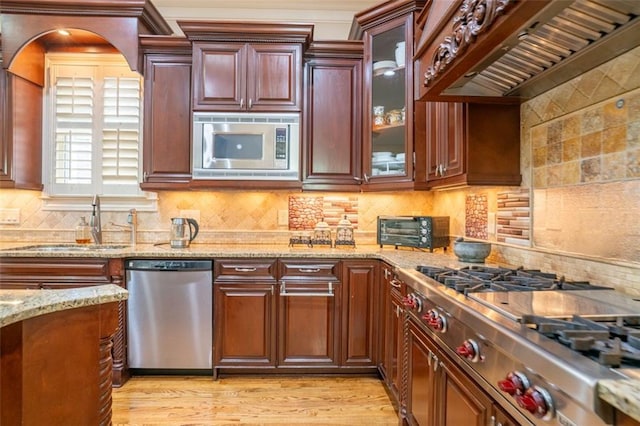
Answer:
(55, 355)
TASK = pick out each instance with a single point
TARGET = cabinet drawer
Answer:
(244, 269)
(55, 270)
(300, 269)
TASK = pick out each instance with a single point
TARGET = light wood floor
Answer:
(252, 401)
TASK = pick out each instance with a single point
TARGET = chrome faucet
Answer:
(132, 224)
(96, 226)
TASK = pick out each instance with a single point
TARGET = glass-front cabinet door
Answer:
(388, 135)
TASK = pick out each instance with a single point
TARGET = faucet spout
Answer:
(132, 226)
(95, 223)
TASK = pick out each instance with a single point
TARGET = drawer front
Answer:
(244, 269)
(52, 271)
(310, 269)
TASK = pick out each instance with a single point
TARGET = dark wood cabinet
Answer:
(247, 77)
(167, 113)
(333, 116)
(244, 314)
(60, 273)
(466, 144)
(392, 315)
(439, 393)
(309, 310)
(387, 30)
(21, 133)
(360, 313)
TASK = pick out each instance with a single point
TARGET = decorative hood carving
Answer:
(519, 49)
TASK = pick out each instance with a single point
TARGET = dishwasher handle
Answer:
(169, 265)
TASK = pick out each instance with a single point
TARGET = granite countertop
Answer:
(19, 305)
(622, 394)
(402, 257)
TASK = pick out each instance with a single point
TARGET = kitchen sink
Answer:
(67, 247)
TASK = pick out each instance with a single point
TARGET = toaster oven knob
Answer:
(538, 402)
(470, 350)
(515, 383)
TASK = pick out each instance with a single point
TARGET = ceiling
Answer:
(331, 18)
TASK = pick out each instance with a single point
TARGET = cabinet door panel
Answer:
(167, 140)
(219, 76)
(359, 328)
(422, 390)
(308, 325)
(244, 325)
(273, 77)
(333, 123)
(463, 402)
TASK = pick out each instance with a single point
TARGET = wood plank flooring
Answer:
(259, 400)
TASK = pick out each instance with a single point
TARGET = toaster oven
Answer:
(414, 231)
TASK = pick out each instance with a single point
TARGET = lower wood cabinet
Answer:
(309, 310)
(303, 315)
(59, 273)
(439, 393)
(244, 313)
(360, 326)
(392, 314)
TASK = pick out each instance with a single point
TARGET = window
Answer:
(93, 127)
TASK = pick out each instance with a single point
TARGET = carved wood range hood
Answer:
(511, 51)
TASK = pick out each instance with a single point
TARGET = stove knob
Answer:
(436, 321)
(515, 383)
(412, 301)
(538, 402)
(470, 350)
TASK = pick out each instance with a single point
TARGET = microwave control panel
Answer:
(281, 143)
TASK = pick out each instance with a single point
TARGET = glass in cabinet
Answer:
(388, 133)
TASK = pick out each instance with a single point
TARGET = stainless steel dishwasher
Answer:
(169, 314)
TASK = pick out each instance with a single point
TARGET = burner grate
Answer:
(487, 279)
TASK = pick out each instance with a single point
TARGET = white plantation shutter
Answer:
(121, 131)
(73, 130)
(95, 126)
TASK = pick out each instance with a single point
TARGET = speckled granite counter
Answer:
(622, 394)
(403, 257)
(19, 305)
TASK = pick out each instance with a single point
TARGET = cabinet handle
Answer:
(241, 103)
(395, 283)
(443, 169)
(366, 178)
(437, 170)
(250, 103)
(436, 363)
(492, 421)
(145, 176)
(309, 270)
(284, 292)
(245, 269)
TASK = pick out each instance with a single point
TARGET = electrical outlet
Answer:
(283, 217)
(193, 214)
(10, 216)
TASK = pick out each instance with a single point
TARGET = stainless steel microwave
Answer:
(249, 146)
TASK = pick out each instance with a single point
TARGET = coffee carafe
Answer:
(183, 231)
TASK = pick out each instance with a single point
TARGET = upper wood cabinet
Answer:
(333, 116)
(167, 113)
(387, 139)
(466, 144)
(247, 67)
(247, 77)
(21, 147)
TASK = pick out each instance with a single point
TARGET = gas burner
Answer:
(471, 279)
(613, 343)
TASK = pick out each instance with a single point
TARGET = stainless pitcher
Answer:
(183, 231)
